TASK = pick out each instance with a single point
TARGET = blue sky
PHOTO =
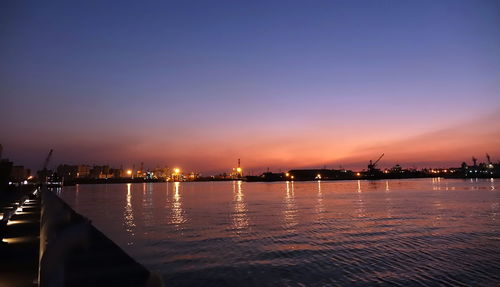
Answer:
(192, 82)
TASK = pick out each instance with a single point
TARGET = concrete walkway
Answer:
(19, 248)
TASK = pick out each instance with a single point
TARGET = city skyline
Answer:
(279, 86)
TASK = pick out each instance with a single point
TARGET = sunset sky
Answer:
(279, 84)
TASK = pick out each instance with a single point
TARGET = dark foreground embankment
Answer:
(19, 234)
(73, 252)
(46, 243)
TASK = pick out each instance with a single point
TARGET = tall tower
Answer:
(238, 171)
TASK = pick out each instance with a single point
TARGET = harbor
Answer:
(162, 237)
(249, 143)
(65, 174)
(233, 231)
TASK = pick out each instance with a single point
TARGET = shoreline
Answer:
(124, 181)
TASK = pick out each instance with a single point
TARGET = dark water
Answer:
(429, 232)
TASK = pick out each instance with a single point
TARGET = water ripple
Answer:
(390, 233)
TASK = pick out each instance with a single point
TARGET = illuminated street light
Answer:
(129, 172)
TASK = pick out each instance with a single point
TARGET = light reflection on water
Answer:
(178, 217)
(392, 232)
(147, 204)
(128, 214)
(360, 210)
(239, 214)
(388, 200)
(320, 208)
(290, 210)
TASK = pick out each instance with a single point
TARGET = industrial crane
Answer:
(372, 165)
(44, 172)
(47, 160)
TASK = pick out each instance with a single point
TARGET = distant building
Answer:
(67, 172)
(270, 176)
(125, 173)
(101, 172)
(71, 172)
(161, 172)
(115, 172)
(83, 171)
(193, 176)
(5, 169)
(18, 173)
(317, 174)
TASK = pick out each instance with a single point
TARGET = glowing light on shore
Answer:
(22, 239)
(14, 222)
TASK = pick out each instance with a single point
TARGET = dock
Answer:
(46, 243)
(19, 248)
